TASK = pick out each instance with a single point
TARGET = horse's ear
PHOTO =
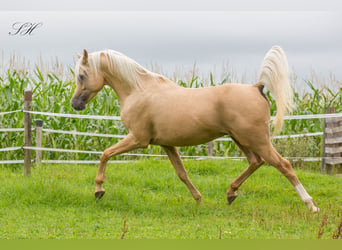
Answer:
(85, 57)
(78, 55)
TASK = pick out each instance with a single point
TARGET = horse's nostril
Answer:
(79, 107)
(77, 104)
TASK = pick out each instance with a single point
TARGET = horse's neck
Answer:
(147, 82)
(155, 81)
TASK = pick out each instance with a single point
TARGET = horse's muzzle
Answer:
(78, 103)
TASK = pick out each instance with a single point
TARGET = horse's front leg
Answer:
(126, 144)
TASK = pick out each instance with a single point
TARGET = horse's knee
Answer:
(105, 157)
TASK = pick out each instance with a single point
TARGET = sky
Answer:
(180, 33)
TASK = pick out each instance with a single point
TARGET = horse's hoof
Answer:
(199, 201)
(315, 209)
(311, 206)
(99, 194)
(231, 199)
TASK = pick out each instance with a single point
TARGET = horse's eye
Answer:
(81, 77)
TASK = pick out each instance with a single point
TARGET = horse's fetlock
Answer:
(233, 187)
(99, 180)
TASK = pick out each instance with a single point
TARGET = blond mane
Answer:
(121, 66)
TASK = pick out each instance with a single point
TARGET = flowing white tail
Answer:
(274, 76)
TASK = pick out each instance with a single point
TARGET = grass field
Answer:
(145, 200)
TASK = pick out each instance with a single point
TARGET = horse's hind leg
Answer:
(176, 161)
(255, 162)
(275, 159)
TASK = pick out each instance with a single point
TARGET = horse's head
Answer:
(89, 81)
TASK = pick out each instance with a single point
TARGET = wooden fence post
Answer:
(332, 142)
(27, 132)
(327, 110)
(210, 149)
(39, 128)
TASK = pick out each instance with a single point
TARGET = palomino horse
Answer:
(157, 111)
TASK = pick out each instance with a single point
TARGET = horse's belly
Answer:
(182, 141)
(185, 135)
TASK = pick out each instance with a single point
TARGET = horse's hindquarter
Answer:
(181, 116)
(248, 115)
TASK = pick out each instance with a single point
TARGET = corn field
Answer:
(52, 93)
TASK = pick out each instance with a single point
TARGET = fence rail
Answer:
(75, 132)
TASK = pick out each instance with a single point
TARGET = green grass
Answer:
(57, 201)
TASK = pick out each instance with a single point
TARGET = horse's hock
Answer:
(332, 144)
